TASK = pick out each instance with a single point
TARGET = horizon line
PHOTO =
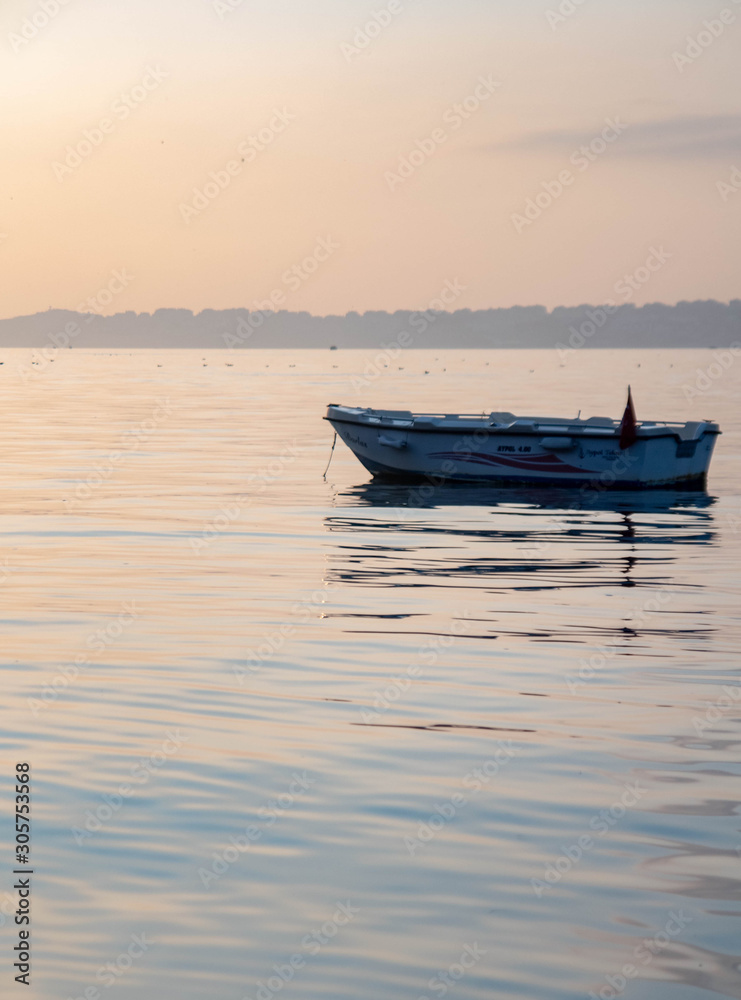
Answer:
(373, 312)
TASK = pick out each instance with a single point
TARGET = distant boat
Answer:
(551, 451)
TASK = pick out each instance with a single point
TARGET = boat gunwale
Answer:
(595, 432)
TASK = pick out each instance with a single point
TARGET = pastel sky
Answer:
(202, 148)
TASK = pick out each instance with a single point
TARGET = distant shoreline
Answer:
(690, 325)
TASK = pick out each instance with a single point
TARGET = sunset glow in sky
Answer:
(535, 151)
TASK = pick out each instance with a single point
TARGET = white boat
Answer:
(503, 448)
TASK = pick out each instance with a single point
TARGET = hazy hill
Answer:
(688, 324)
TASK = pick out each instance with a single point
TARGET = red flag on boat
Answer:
(628, 432)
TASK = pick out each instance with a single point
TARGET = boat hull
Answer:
(493, 455)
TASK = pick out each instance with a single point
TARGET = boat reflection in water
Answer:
(515, 538)
(592, 636)
(382, 494)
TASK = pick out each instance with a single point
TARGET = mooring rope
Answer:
(330, 456)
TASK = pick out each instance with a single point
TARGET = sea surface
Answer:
(301, 737)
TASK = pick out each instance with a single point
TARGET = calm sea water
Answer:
(324, 739)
